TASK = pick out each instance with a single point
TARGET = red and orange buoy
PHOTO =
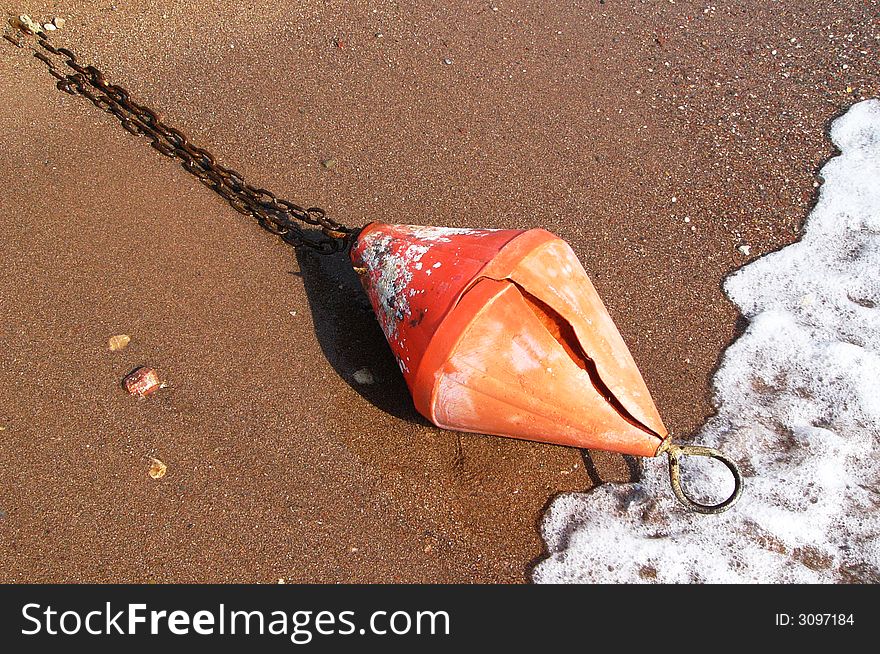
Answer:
(501, 332)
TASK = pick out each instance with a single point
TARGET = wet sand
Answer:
(656, 138)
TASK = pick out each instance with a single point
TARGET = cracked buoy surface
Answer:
(501, 332)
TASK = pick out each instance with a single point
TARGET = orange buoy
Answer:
(501, 332)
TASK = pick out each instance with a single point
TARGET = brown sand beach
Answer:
(668, 142)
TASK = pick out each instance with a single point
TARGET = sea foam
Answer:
(798, 407)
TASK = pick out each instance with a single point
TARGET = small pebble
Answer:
(157, 469)
(745, 249)
(329, 164)
(364, 376)
(49, 27)
(447, 61)
(142, 382)
(118, 342)
(58, 22)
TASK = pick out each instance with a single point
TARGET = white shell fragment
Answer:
(29, 24)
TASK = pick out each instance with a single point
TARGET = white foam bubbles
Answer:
(798, 398)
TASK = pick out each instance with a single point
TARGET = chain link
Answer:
(279, 216)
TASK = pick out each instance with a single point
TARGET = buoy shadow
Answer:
(349, 334)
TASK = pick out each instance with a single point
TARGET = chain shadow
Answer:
(349, 334)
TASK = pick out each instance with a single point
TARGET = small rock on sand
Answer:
(364, 376)
(118, 342)
(157, 469)
(142, 382)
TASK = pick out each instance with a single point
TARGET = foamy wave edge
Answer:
(798, 407)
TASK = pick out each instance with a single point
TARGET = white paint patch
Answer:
(393, 279)
(443, 234)
(525, 354)
(454, 399)
(798, 399)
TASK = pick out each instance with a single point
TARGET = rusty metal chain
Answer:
(274, 214)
